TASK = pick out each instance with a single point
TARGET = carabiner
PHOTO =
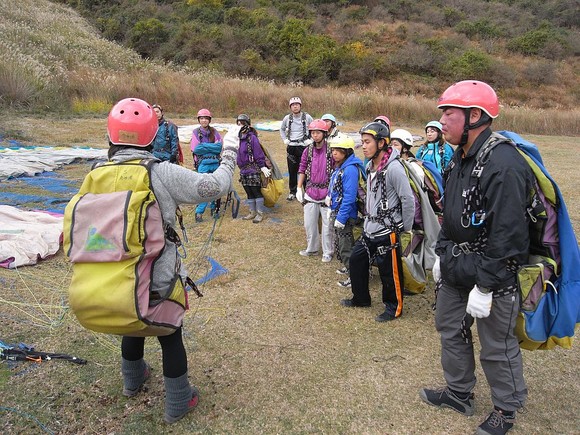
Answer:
(480, 219)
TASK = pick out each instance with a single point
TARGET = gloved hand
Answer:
(338, 225)
(173, 159)
(231, 139)
(266, 172)
(479, 303)
(328, 212)
(436, 271)
(308, 142)
(327, 201)
(300, 194)
(286, 141)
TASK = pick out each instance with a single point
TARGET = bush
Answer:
(482, 28)
(472, 64)
(146, 35)
(534, 41)
(540, 73)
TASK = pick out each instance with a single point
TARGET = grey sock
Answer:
(133, 373)
(260, 205)
(177, 395)
(252, 204)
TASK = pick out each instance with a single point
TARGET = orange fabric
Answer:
(396, 275)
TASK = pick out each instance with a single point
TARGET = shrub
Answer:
(534, 41)
(540, 73)
(471, 64)
(146, 35)
(482, 28)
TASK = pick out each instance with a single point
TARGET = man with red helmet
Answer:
(316, 166)
(132, 126)
(483, 240)
(294, 133)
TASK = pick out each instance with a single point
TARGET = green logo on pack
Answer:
(96, 242)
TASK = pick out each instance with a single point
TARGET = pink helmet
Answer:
(132, 122)
(318, 124)
(471, 93)
(204, 112)
(384, 120)
(295, 100)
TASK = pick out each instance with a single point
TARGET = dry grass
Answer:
(268, 345)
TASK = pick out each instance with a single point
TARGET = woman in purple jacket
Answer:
(252, 163)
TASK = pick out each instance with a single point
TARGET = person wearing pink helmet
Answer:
(206, 146)
(294, 133)
(316, 166)
(132, 127)
(484, 239)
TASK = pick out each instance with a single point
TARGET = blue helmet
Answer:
(435, 124)
(328, 117)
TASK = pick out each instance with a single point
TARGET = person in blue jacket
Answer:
(206, 146)
(343, 190)
(166, 143)
(435, 149)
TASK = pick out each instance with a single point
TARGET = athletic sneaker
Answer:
(342, 271)
(326, 258)
(198, 217)
(385, 317)
(346, 283)
(351, 303)
(497, 423)
(445, 398)
(290, 197)
(306, 253)
(190, 407)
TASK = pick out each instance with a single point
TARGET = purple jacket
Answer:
(250, 165)
(204, 134)
(316, 186)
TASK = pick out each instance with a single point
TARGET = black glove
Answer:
(173, 159)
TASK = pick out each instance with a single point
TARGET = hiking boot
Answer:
(198, 217)
(306, 253)
(251, 215)
(190, 407)
(445, 398)
(146, 375)
(291, 197)
(342, 271)
(258, 218)
(351, 303)
(326, 258)
(385, 317)
(497, 423)
(346, 283)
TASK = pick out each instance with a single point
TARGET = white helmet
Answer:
(295, 100)
(403, 135)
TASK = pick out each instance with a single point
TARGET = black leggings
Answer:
(174, 356)
(253, 192)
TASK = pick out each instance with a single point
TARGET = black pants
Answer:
(174, 356)
(293, 156)
(253, 192)
(386, 251)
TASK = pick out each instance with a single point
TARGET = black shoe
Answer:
(385, 317)
(445, 398)
(351, 303)
(497, 423)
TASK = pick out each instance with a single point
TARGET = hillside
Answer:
(526, 48)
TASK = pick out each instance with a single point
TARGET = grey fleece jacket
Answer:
(174, 185)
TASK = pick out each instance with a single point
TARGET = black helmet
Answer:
(244, 117)
(378, 130)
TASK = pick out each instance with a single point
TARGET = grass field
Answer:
(269, 346)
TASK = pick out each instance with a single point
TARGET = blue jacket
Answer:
(430, 153)
(166, 141)
(348, 175)
(208, 154)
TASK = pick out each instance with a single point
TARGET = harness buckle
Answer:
(477, 171)
(384, 205)
(382, 250)
(460, 248)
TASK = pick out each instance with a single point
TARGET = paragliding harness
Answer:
(23, 352)
(542, 322)
(304, 126)
(179, 156)
(113, 234)
(329, 168)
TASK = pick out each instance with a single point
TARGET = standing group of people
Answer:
(475, 270)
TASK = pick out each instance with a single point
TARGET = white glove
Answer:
(436, 271)
(308, 142)
(231, 139)
(286, 141)
(479, 303)
(327, 201)
(300, 194)
(338, 225)
(266, 172)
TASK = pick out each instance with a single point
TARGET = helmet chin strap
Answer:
(483, 119)
(379, 149)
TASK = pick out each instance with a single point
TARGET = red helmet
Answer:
(471, 93)
(384, 120)
(318, 124)
(204, 112)
(132, 122)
